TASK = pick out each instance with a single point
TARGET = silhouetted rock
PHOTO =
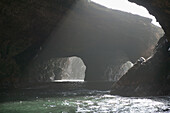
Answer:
(147, 78)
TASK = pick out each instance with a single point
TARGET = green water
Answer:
(46, 105)
(88, 102)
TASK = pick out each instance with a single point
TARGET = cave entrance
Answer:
(72, 69)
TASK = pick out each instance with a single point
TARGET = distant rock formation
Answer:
(69, 68)
(76, 69)
(123, 69)
(118, 67)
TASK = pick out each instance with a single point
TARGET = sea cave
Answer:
(67, 56)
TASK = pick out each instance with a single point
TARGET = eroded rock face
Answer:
(76, 69)
(48, 71)
(149, 77)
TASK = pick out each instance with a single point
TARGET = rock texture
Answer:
(152, 76)
(76, 69)
(149, 77)
(99, 36)
(117, 69)
(24, 26)
(68, 68)
(89, 31)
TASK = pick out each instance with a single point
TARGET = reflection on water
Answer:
(88, 101)
(69, 80)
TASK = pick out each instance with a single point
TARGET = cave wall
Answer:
(151, 77)
(100, 36)
(26, 28)
(148, 78)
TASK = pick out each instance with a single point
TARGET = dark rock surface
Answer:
(152, 76)
(98, 35)
(24, 26)
(149, 77)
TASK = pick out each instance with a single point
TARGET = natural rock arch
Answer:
(26, 30)
(99, 43)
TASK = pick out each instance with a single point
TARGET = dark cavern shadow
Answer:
(37, 41)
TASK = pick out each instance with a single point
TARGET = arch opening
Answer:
(73, 70)
(59, 69)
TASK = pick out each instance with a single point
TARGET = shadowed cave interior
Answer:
(39, 47)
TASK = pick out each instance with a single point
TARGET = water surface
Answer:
(83, 101)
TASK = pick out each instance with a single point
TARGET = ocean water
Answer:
(86, 101)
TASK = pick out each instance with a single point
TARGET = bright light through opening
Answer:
(126, 6)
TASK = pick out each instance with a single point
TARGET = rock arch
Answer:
(26, 30)
(99, 43)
